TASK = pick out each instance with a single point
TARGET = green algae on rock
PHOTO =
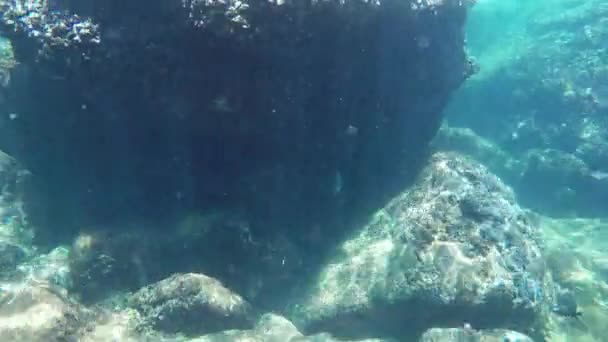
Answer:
(191, 304)
(453, 248)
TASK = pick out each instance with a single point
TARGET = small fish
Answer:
(566, 305)
(570, 314)
(221, 104)
(423, 42)
(600, 96)
(600, 302)
(599, 175)
(338, 183)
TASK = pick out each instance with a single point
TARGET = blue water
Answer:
(293, 151)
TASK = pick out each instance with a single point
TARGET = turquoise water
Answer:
(296, 152)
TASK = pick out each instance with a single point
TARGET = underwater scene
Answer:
(304, 170)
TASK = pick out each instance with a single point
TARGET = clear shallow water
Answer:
(148, 197)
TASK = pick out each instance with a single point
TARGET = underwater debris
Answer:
(230, 85)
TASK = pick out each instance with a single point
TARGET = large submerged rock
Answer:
(148, 106)
(191, 304)
(454, 248)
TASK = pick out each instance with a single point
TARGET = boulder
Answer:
(276, 107)
(120, 326)
(272, 328)
(454, 248)
(471, 335)
(191, 304)
(39, 312)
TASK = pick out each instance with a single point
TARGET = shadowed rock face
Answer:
(147, 107)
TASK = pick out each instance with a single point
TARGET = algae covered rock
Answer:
(120, 326)
(306, 91)
(191, 304)
(471, 335)
(38, 312)
(273, 328)
(52, 267)
(453, 248)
